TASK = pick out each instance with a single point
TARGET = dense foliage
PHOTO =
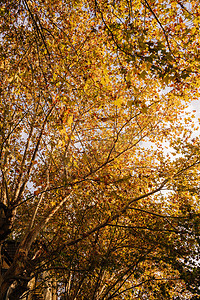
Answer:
(99, 161)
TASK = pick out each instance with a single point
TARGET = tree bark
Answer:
(6, 221)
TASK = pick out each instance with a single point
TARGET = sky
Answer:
(195, 105)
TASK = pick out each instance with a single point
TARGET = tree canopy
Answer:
(99, 161)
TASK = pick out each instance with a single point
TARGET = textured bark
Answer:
(12, 274)
(6, 221)
(16, 270)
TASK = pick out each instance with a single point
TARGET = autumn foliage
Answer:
(99, 159)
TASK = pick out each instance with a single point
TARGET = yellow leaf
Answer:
(119, 101)
(143, 74)
(70, 120)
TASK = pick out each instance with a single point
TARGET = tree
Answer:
(91, 93)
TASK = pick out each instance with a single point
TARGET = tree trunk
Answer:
(6, 221)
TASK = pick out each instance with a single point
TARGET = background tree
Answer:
(91, 92)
